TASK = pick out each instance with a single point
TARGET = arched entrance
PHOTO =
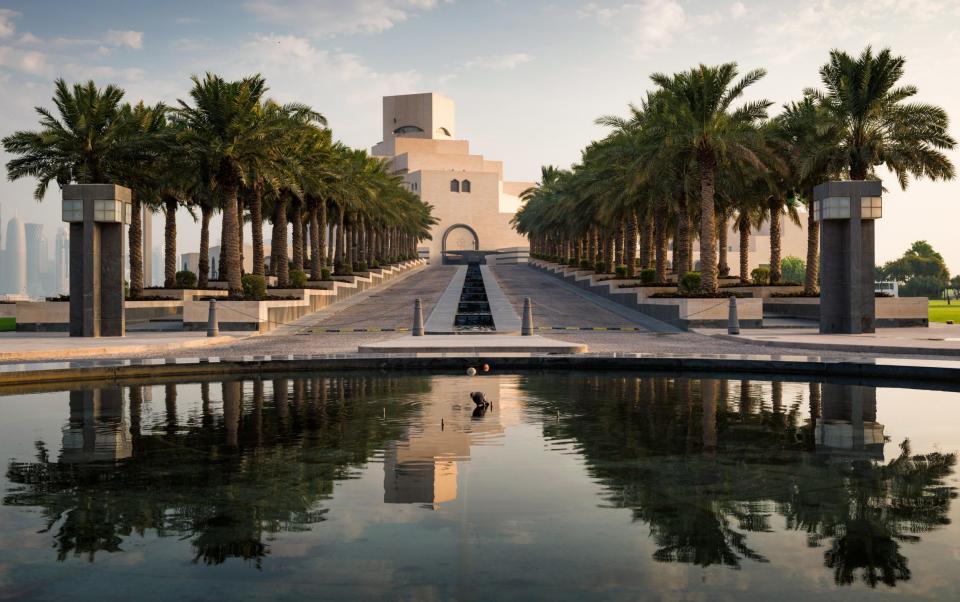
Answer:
(460, 244)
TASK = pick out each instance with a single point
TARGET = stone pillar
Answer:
(96, 214)
(846, 212)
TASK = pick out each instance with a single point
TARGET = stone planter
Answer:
(892, 312)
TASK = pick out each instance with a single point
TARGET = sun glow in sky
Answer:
(528, 76)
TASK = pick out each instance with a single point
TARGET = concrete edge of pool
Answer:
(907, 373)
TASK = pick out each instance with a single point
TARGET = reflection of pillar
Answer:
(206, 416)
(746, 399)
(848, 421)
(281, 392)
(170, 404)
(708, 393)
(258, 411)
(232, 394)
(97, 429)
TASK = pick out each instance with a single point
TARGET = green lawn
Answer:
(8, 324)
(941, 312)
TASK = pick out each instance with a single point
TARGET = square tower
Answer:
(427, 115)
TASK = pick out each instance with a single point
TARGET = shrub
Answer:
(186, 279)
(374, 264)
(298, 279)
(690, 283)
(254, 287)
(621, 271)
(600, 267)
(340, 269)
(793, 269)
(648, 275)
(584, 264)
(760, 276)
(325, 274)
(362, 266)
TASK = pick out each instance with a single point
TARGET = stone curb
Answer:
(870, 349)
(63, 354)
(894, 374)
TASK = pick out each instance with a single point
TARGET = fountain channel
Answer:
(473, 309)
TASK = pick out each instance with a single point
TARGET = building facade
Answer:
(14, 280)
(470, 198)
(62, 261)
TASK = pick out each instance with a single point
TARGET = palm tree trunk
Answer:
(297, 220)
(723, 268)
(240, 232)
(316, 234)
(646, 240)
(135, 235)
(708, 230)
(776, 217)
(338, 254)
(230, 239)
(813, 253)
(608, 255)
(630, 254)
(279, 258)
(322, 227)
(618, 245)
(660, 243)
(256, 225)
(170, 243)
(681, 244)
(744, 228)
(203, 265)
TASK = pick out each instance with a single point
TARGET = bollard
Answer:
(526, 329)
(417, 318)
(213, 326)
(733, 321)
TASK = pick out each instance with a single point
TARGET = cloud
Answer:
(737, 10)
(130, 39)
(27, 61)
(499, 62)
(6, 22)
(331, 17)
(647, 25)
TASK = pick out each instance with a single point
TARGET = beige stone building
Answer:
(471, 200)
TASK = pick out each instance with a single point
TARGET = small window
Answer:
(407, 129)
(454, 185)
(465, 187)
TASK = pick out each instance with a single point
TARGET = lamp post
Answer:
(846, 211)
(96, 214)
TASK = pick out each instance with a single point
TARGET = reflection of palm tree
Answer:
(701, 507)
(224, 488)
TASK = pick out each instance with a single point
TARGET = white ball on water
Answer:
(471, 371)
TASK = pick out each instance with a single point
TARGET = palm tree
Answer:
(77, 145)
(220, 129)
(698, 119)
(878, 127)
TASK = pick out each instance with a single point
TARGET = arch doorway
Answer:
(460, 241)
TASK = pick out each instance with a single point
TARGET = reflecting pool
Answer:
(570, 485)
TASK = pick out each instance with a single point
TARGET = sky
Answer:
(529, 77)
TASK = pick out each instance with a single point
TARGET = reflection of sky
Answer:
(527, 519)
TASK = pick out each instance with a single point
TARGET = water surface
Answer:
(571, 485)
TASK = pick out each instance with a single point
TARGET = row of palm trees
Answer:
(692, 157)
(229, 149)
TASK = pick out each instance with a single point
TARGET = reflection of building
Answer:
(848, 422)
(470, 198)
(423, 468)
(98, 429)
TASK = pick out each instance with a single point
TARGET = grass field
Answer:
(941, 312)
(8, 324)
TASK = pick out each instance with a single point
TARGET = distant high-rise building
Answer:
(14, 279)
(38, 259)
(62, 261)
(156, 276)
